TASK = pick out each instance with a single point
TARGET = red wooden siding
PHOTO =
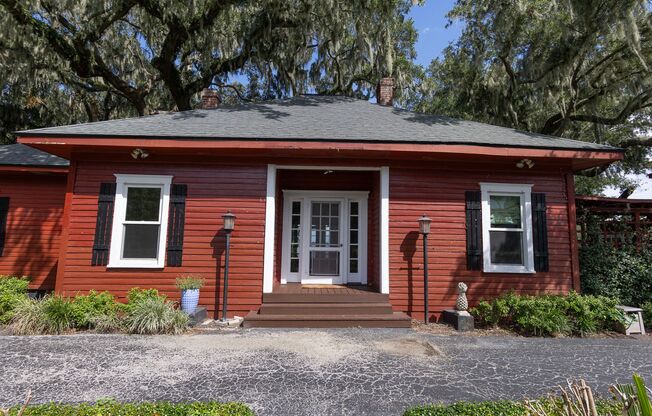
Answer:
(212, 190)
(33, 226)
(440, 195)
(316, 180)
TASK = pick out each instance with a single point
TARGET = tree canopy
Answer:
(573, 68)
(110, 58)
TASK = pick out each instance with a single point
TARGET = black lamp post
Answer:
(424, 229)
(229, 224)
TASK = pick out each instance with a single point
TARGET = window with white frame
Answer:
(507, 228)
(140, 221)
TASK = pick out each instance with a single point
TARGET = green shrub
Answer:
(647, 314)
(189, 282)
(624, 273)
(94, 307)
(140, 409)
(137, 295)
(553, 407)
(548, 315)
(13, 290)
(155, 316)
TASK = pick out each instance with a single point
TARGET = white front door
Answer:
(324, 237)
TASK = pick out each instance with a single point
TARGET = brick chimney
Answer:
(209, 99)
(385, 91)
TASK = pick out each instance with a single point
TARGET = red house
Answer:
(32, 190)
(327, 192)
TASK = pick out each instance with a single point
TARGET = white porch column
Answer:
(384, 229)
(270, 220)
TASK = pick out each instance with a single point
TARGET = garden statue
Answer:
(462, 303)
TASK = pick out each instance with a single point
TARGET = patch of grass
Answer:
(140, 409)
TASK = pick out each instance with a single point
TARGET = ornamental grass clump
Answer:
(189, 282)
(58, 313)
(550, 315)
(29, 318)
(155, 316)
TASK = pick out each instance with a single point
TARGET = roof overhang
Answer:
(33, 169)
(67, 146)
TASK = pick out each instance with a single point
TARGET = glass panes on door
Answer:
(324, 238)
(295, 234)
(354, 236)
(506, 229)
(142, 223)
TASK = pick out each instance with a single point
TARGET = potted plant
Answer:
(189, 286)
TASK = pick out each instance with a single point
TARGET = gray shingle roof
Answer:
(21, 155)
(315, 118)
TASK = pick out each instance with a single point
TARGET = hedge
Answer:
(111, 408)
(505, 408)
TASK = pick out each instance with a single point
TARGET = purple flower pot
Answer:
(189, 300)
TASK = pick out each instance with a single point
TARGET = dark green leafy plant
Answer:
(647, 314)
(13, 290)
(624, 273)
(550, 315)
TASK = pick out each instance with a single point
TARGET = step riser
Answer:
(326, 324)
(312, 309)
(286, 298)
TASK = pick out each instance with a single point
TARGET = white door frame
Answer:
(306, 198)
(270, 221)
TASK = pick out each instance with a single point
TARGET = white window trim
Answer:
(123, 182)
(525, 192)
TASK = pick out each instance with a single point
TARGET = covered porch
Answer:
(326, 251)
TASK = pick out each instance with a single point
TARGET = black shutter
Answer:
(474, 230)
(540, 232)
(4, 210)
(176, 221)
(103, 225)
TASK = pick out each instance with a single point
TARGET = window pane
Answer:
(140, 241)
(353, 266)
(143, 204)
(296, 208)
(294, 266)
(506, 247)
(324, 263)
(505, 211)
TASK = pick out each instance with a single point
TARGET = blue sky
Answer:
(430, 20)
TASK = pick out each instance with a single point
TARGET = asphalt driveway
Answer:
(316, 372)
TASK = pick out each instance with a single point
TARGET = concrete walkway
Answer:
(316, 372)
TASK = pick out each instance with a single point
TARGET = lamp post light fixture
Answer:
(424, 229)
(229, 224)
